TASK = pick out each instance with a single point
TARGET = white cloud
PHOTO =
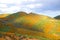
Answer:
(15, 1)
(19, 5)
(4, 8)
(6, 1)
(26, 9)
(37, 5)
(10, 10)
(29, 6)
(14, 7)
(11, 1)
(29, 0)
(3, 5)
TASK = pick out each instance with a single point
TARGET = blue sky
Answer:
(46, 7)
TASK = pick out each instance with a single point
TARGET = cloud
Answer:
(6, 1)
(46, 7)
(3, 5)
(16, 5)
(29, 0)
(10, 10)
(37, 5)
(15, 1)
(26, 10)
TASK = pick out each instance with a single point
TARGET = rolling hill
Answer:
(33, 24)
(57, 17)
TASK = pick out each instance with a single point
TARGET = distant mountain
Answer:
(57, 17)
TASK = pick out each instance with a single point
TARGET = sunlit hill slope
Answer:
(3, 15)
(31, 24)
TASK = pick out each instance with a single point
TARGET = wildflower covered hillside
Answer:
(34, 25)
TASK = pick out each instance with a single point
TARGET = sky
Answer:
(45, 7)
